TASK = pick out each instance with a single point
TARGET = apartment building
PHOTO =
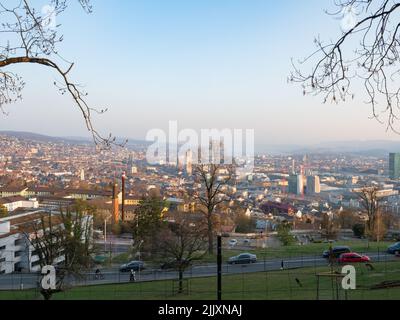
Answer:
(16, 233)
(18, 202)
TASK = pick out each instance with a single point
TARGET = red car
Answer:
(353, 258)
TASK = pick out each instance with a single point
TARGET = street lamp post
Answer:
(105, 235)
(140, 245)
(379, 236)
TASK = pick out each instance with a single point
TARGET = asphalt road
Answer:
(113, 276)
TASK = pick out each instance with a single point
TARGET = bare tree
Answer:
(63, 240)
(30, 36)
(371, 202)
(329, 225)
(347, 219)
(181, 242)
(367, 52)
(211, 195)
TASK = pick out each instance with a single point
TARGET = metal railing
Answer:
(272, 277)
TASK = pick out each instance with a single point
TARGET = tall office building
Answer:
(292, 182)
(293, 169)
(130, 164)
(82, 175)
(394, 166)
(189, 163)
(300, 184)
(313, 185)
(296, 184)
(216, 151)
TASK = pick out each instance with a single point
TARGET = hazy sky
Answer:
(205, 63)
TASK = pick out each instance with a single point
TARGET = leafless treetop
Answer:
(368, 52)
(29, 35)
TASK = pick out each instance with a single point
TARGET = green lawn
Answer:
(313, 249)
(277, 285)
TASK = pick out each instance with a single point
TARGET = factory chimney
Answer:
(123, 196)
(115, 204)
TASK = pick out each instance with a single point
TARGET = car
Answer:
(247, 241)
(353, 258)
(394, 249)
(336, 252)
(233, 242)
(244, 258)
(132, 266)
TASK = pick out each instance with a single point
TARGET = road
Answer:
(113, 276)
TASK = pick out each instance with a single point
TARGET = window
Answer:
(2, 260)
(3, 248)
(19, 242)
(35, 264)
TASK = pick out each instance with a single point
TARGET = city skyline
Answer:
(168, 64)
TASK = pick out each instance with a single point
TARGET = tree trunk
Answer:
(210, 236)
(47, 294)
(180, 282)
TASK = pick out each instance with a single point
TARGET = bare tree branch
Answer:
(374, 61)
(32, 37)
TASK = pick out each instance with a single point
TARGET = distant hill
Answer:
(70, 140)
(366, 148)
(38, 137)
(377, 148)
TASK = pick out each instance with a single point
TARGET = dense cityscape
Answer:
(303, 190)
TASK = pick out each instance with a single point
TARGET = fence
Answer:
(277, 275)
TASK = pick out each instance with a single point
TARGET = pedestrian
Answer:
(97, 273)
(282, 265)
(133, 276)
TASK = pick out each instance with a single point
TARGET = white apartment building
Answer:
(17, 202)
(16, 252)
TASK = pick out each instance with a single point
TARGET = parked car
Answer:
(337, 252)
(246, 241)
(133, 265)
(244, 258)
(233, 242)
(394, 249)
(353, 258)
